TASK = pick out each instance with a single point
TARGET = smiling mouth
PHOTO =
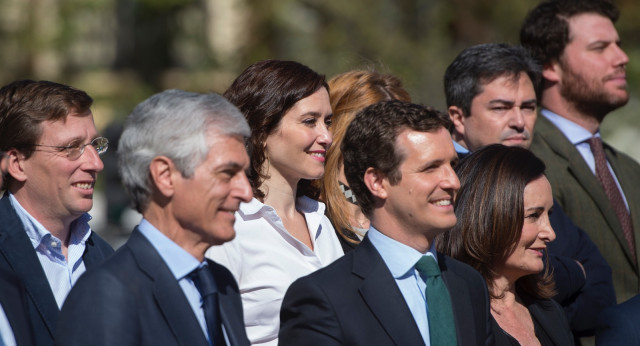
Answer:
(442, 202)
(84, 186)
(538, 250)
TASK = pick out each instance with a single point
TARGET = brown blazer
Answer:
(583, 199)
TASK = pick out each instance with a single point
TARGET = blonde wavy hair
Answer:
(351, 92)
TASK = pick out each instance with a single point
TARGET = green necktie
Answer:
(442, 328)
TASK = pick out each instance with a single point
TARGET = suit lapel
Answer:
(230, 314)
(579, 169)
(170, 298)
(628, 182)
(17, 249)
(381, 293)
(461, 303)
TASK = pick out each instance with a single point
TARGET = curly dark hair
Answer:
(545, 31)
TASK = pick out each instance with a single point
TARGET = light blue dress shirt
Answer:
(401, 260)
(61, 273)
(578, 136)
(459, 148)
(181, 264)
(7, 338)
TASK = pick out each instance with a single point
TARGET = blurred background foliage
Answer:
(122, 51)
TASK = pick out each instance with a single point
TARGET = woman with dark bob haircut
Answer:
(502, 228)
(282, 234)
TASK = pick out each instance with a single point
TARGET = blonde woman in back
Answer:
(349, 93)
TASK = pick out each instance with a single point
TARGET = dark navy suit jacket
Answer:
(620, 324)
(18, 256)
(356, 301)
(134, 299)
(14, 305)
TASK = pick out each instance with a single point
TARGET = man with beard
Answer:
(584, 79)
(491, 98)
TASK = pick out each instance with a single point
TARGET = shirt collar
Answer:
(575, 133)
(303, 204)
(79, 230)
(179, 261)
(313, 212)
(459, 148)
(399, 257)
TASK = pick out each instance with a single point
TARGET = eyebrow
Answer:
(512, 103)
(230, 164)
(536, 208)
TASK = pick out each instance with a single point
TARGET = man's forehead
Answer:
(73, 126)
(591, 27)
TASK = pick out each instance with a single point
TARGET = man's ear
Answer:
(375, 181)
(552, 72)
(163, 174)
(15, 165)
(457, 117)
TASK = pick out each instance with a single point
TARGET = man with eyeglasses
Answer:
(52, 148)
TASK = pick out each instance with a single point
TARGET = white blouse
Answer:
(265, 259)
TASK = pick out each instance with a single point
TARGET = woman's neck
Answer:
(281, 195)
(506, 291)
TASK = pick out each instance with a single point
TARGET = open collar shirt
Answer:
(265, 259)
(62, 273)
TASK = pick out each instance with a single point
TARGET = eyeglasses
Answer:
(74, 152)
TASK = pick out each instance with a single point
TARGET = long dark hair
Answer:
(264, 92)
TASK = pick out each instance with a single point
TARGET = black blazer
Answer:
(14, 305)
(134, 299)
(549, 315)
(18, 256)
(356, 301)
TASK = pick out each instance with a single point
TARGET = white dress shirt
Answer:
(265, 259)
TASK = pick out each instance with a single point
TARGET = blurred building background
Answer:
(122, 51)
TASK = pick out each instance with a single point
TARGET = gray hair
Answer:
(175, 124)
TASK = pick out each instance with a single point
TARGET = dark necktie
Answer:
(442, 328)
(613, 193)
(206, 285)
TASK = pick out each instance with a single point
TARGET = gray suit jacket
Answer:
(583, 199)
(134, 299)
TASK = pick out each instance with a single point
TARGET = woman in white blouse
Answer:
(282, 234)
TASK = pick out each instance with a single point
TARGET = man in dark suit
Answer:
(382, 293)
(491, 98)
(183, 161)
(584, 79)
(15, 327)
(618, 325)
(53, 148)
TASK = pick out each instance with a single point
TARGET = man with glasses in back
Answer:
(52, 148)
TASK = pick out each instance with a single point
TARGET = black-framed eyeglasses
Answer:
(101, 144)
